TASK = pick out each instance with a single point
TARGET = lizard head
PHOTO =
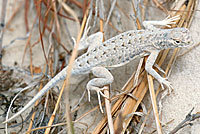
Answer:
(180, 37)
(173, 38)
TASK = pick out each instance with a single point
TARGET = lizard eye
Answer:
(177, 42)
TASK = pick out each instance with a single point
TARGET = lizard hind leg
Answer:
(104, 77)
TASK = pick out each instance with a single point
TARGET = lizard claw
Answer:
(168, 84)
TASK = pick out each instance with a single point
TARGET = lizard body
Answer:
(120, 50)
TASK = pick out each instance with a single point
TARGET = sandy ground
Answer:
(185, 74)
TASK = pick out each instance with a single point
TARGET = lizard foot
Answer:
(170, 20)
(168, 84)
(99, 93)
(165, 82)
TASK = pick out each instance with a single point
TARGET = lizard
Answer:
(118, 51)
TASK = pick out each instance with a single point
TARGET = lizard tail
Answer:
(60, 76)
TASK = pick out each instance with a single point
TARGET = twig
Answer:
(33, 115)
(188, 119)
(107, 93)
(110, 12)
(160, 6)
(154, 104)
(108, 110)
(66, 82)
(55, 125)
(16, 39)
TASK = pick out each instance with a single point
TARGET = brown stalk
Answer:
(43, 127)
(107, 93)
(38, 7)
(56, 38)
(28, 44)
(26, 11)
(154, 103)
(49, 7)
(84, 7)
(77, 3)
(33, 115)
(160, 6)
(58, 32)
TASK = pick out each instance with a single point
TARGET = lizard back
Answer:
(118, 50)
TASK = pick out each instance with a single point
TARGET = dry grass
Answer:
(50, 19)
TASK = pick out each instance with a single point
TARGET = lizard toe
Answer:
(168, 84)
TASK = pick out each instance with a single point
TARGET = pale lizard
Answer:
(120, 50)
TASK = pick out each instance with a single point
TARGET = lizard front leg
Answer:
(149, 68)
(97, 84)
(166, 22)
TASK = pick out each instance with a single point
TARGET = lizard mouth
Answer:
(186, 44)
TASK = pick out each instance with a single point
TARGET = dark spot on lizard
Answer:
(123, 45)
(129, 42)
(135, 39)
(165, 35)
(95, 49)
